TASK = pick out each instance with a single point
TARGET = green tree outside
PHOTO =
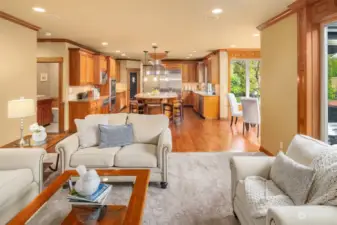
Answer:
(332, 72)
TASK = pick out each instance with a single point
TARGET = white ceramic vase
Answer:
(39, 137)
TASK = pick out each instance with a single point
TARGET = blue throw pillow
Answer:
(115, 135)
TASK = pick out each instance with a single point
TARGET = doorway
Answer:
(50, 104)
(133, 83)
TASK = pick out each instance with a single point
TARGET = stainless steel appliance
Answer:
(103, 78)
(112, 93)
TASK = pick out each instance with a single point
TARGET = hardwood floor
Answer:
(195, 134)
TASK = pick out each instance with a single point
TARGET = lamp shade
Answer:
(21, 108)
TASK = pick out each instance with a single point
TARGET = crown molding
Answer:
(276, 19)
(58, 40)
(16, 20)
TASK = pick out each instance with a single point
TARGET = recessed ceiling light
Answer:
(217, 11)
(256, 35)
(123, 54)
(154, 44)
(105, 43)
(118, 51)
(39, 9)
(47, 34)
(233, 46)
(194, 51)
(190, 54)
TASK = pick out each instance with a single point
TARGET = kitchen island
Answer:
(154, 101)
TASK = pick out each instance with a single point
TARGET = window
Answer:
(245, 78)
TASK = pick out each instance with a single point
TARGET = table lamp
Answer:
(21, 108)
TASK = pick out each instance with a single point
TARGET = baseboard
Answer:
(265, 151)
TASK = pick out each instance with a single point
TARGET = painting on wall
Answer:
(44, 77)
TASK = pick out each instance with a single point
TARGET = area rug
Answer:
(198, 193)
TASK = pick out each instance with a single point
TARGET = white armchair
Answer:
(21, 172)
(300, 149)
(152, 143)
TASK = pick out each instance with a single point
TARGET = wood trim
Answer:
(136, 60)
(136, 204)
(58, 40)
(276, 19)
(58, 60)
(16, 20)
(49, 60)
(265, 151)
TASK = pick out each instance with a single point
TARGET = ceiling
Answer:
(182, 27)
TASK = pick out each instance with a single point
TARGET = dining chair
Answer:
(251, 113)
(234, 106)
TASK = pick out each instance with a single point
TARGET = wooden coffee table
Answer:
(116, 214)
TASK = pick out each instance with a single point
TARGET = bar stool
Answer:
(136, 107)
(178, 111)
(167, 110)
(152, 105)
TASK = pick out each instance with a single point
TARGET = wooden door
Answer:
(90, 69)
(83, 69)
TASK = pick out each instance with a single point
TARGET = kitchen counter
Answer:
(90, 99)
(204, 93)
(164, 95)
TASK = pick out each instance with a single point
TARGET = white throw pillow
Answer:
(292, 178)
(88, 131)
(324, 187)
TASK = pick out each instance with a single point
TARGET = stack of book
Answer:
(97, 198)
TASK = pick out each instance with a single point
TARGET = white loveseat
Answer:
(152, 143)
(21, 179)
(302, 149)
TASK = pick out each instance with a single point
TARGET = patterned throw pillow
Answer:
(324, 187)
(293, 178)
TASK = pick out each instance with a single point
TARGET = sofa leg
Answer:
(163, 185)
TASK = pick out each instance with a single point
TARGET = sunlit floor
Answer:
(195, 134)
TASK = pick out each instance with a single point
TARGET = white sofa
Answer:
(21, 179)
(302, 149)
(152, 143)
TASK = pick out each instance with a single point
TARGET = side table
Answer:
(49, 145)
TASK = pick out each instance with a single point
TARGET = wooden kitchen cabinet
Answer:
(189, 72)
(185, 73)
(100, 65)
(81, 67)
(79, 109)
(44, 112)
(112, 68)
(188, 98)
(196, 102)
(118, 71)
(213, 70)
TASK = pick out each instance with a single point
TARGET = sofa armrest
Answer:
(302, 215)
(66, 148)
(245, 166)
(24, 158)
(164, 146)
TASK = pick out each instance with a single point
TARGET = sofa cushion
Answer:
(13, 182)
(113, 119)
(137, 155)
(94, 157)
(292, 178)
(115, 135)
(147, 128)
(303, 149)
(88, 132)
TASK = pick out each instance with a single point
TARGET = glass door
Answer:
(329, 85)
(245, 78)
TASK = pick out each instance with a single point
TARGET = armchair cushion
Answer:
(94, 157)
(147, 128)
(137, 155)
(13, 182)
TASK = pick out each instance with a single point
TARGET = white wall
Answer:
(49, 87)
(224, 105)
(279, 84)
(17, 74)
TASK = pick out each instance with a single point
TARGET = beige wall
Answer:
(279, 84)
(17, 74)
(49, 87)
